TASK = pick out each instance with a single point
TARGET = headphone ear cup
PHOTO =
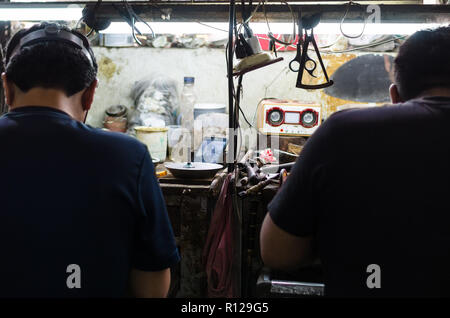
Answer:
(97, 24)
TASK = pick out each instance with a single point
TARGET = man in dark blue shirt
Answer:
(81, 212)
(370, 191)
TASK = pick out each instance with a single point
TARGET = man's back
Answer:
(373, 187)
(71, 194)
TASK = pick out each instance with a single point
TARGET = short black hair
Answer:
(423, 62)
(50, 64)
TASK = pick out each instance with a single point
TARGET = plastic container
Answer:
(205, 108)
(156, 140)
(116, 40)
(174, 136)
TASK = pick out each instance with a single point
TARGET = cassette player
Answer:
(288, 117)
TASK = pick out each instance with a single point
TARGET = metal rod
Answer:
(236, 115)
(231, 83)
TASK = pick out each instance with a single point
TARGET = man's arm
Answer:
(154, 247)
(282, 250)
(145, 284)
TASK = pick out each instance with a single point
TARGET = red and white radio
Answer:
(288, 117)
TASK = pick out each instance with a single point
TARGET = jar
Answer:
(116, 118)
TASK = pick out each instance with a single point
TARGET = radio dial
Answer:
(309, 118)
(275, 117)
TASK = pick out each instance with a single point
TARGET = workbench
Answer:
(190, 204)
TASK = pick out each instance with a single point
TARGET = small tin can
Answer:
(116, 118)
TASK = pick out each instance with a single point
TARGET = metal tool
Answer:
(253, 177)
(294, 65)
(276, 168)
(298, 56)
(259, 186)
(309, 23)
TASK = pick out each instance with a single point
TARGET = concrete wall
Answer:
(119, 68)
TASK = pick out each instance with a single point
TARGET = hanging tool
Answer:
(294, 65)
(305, 24)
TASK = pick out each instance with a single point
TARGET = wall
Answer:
(121, 67)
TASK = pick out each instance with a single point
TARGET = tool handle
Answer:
(252, 177)
(292, 67)
(318, 86)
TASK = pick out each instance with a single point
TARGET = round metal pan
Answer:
(194, 170)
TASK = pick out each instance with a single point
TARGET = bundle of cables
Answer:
(97, 23)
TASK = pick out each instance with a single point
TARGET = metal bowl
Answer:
(194, 170)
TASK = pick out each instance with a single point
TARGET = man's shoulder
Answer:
(114, 140)
(109, 135)
(372, 115)
(373, 112)
(360, 124)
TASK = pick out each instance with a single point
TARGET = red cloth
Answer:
(264, 41)
(218, 251)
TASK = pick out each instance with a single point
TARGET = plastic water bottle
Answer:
(187, 102)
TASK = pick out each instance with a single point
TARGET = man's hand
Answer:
(150, 284)
(281, 250)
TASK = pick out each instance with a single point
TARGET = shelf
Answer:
(217, 11)
(255, 67)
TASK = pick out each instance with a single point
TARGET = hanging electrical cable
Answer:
(366, 46)
(133, 18)
(349, 4)
(270, 34)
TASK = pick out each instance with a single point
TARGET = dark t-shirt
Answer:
(72, 194)
(372, 186)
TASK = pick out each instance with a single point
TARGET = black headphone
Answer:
(53, 32)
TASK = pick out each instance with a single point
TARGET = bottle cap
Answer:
(189, 80)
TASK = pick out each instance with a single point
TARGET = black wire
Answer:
(350, 3)
(234, 94)
(138, 18)
(245, 14)
(245, 118)
(123, 14)
(131, 17)
(237, 98)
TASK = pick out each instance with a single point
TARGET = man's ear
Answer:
(395, 96)
(88, 96)
(8, 88)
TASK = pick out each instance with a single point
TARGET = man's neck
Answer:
(52, 98)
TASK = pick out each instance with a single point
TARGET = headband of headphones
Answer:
(52, 32)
